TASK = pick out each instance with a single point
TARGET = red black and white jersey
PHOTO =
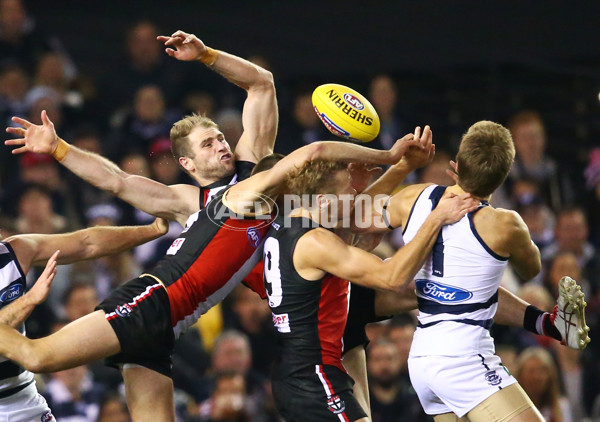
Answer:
(254, 280)
(310, 316)
(216, 250)
(242, 172)
(12, 286)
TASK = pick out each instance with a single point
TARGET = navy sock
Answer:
(539, 322)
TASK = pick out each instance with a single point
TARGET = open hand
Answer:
(38, 293)
(419, 157)
(41, 139)
(452, 208)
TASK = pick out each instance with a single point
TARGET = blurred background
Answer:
(107, 84)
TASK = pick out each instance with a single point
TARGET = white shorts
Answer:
(25, 406)
(456, 384)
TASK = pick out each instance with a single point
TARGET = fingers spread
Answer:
(19, 141)
(20, 150)
(21, 122)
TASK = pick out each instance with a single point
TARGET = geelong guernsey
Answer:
(12, 286)
(457, 287)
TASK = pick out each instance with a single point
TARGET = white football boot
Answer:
(568, 315)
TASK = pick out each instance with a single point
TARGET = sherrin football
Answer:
(345, 112)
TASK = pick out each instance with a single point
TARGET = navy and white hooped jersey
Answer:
(12, 287)
(242, 172)
(457, 287)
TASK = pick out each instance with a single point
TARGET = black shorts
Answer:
(318, 395)
(140, 314)
(361, 312)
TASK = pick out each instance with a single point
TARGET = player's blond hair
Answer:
(484, 158)
(180, 146)
(314, 177)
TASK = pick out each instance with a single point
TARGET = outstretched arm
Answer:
(17, 312)
(270, 182)
(320, 249)
(260, 115)
(175, 202)
(90, 243)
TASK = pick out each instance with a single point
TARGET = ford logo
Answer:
(354, 102)
(11, 293)
(441, 293)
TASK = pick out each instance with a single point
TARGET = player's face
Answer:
(213, 158)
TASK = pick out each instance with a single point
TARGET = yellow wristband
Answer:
(61, 150)
(210, 56)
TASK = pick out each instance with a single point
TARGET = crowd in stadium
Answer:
(221, 366)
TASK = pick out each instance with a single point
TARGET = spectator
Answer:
(304, 127)
(22, 41)
(163, 166)
(538, 375)
(383, 94)
(592, 178)
(563, 264)
(145, 64)
(228, 402)
(531, 161)
(73, 396)
(571, 370)
(539, 217)
(391, 399)
(14, 85)
(252, 316)
(232, 354)
(149, 120)
(230, 123)
(571, 234)
(36, 213)
(113, 409)
(79, 300)
(435, 172)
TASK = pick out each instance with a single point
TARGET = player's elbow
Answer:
(386, 281)
(529, 271)
(315, 151)
(116, 184)
(264, 81)
(35, 358)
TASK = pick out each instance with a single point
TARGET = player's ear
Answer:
(323, 201)
(187, 163)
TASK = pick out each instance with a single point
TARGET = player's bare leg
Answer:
(449, 417)
(355, 362)
(149, 395)
(509, 404)
(85, 340)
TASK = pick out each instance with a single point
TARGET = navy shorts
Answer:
(140, 314)
(320, 395)
(361, 312)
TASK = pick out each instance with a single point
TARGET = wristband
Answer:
(61, 150)
(210, 56)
